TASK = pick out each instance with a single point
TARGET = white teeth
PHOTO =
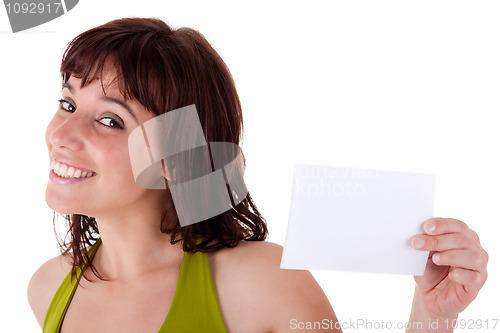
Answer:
(63, 169)
(66, 171)
(57, 166)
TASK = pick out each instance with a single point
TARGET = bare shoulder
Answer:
(249, 250)
(282, 298)
(44, 284)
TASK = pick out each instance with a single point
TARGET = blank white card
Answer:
(357, 220)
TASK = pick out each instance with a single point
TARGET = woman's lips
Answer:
(66, 180)
(64, 169)
(63, 172)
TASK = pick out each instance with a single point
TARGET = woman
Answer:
(142, 271)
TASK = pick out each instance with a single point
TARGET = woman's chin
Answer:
(63, 205)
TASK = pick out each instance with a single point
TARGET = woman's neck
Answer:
(133, 244)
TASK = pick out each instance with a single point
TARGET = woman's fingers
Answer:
(442, 242)
(468, 259)
(439, 226)
(452, 243)
(470, 279)
(457, 258)
(446, 234)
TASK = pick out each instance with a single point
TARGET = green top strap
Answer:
(194, 308)
(62, 298)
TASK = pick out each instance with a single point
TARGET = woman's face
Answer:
(87, 142)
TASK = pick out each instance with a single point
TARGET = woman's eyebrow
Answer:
(121, 103)
(68, 86)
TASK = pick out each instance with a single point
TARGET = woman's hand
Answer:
(455, 271)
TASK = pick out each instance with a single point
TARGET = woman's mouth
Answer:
(68, 171)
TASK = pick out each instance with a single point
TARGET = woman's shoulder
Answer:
(251, 260)
(250, 279)
(249, 250)
(258, 257)
(44, 284)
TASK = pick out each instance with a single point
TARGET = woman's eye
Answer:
(111, 123)
(66, 106)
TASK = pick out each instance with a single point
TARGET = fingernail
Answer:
(435, 257)
(418, 242)
(429, 227)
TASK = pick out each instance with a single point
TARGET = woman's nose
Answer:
(66, 133)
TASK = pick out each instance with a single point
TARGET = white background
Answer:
(397, 85)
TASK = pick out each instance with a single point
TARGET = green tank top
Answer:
(194, 307)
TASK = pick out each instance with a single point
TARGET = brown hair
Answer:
(165, 69)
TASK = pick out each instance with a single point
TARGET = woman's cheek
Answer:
(113, 157)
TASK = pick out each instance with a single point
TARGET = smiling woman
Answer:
(146, 69)
(143, 271)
